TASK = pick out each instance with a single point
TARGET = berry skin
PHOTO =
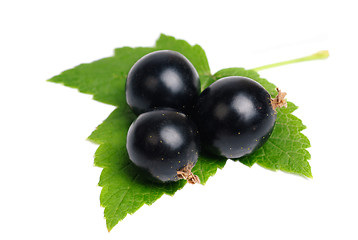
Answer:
(165, 145)
(235, 117)
(162, 79)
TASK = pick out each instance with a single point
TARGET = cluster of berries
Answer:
(231, 118)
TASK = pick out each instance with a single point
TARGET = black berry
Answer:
(165, 145)
(235, 117)
(162, 79)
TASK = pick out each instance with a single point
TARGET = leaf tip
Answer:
(110, 225)
(52, 80)
(163, 36)
(309, 175)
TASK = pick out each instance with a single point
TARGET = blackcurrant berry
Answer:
(234, 116)
(164, 144)
(162, 79)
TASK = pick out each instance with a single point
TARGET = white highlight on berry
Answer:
(244, 106)
(171, 80)
(171, 137)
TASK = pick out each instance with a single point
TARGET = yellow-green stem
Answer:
(318, 55)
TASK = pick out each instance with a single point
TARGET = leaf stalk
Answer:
(320, 55)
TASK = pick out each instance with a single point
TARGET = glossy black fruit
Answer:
(164, 144)
(235, 117)
(162, 79)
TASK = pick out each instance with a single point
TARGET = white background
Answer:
(47, 178)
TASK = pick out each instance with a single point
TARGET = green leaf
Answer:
(207, 166)
(105, 78)
(114, 129)
(285, 150)
(195, 54)
(124, 189)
